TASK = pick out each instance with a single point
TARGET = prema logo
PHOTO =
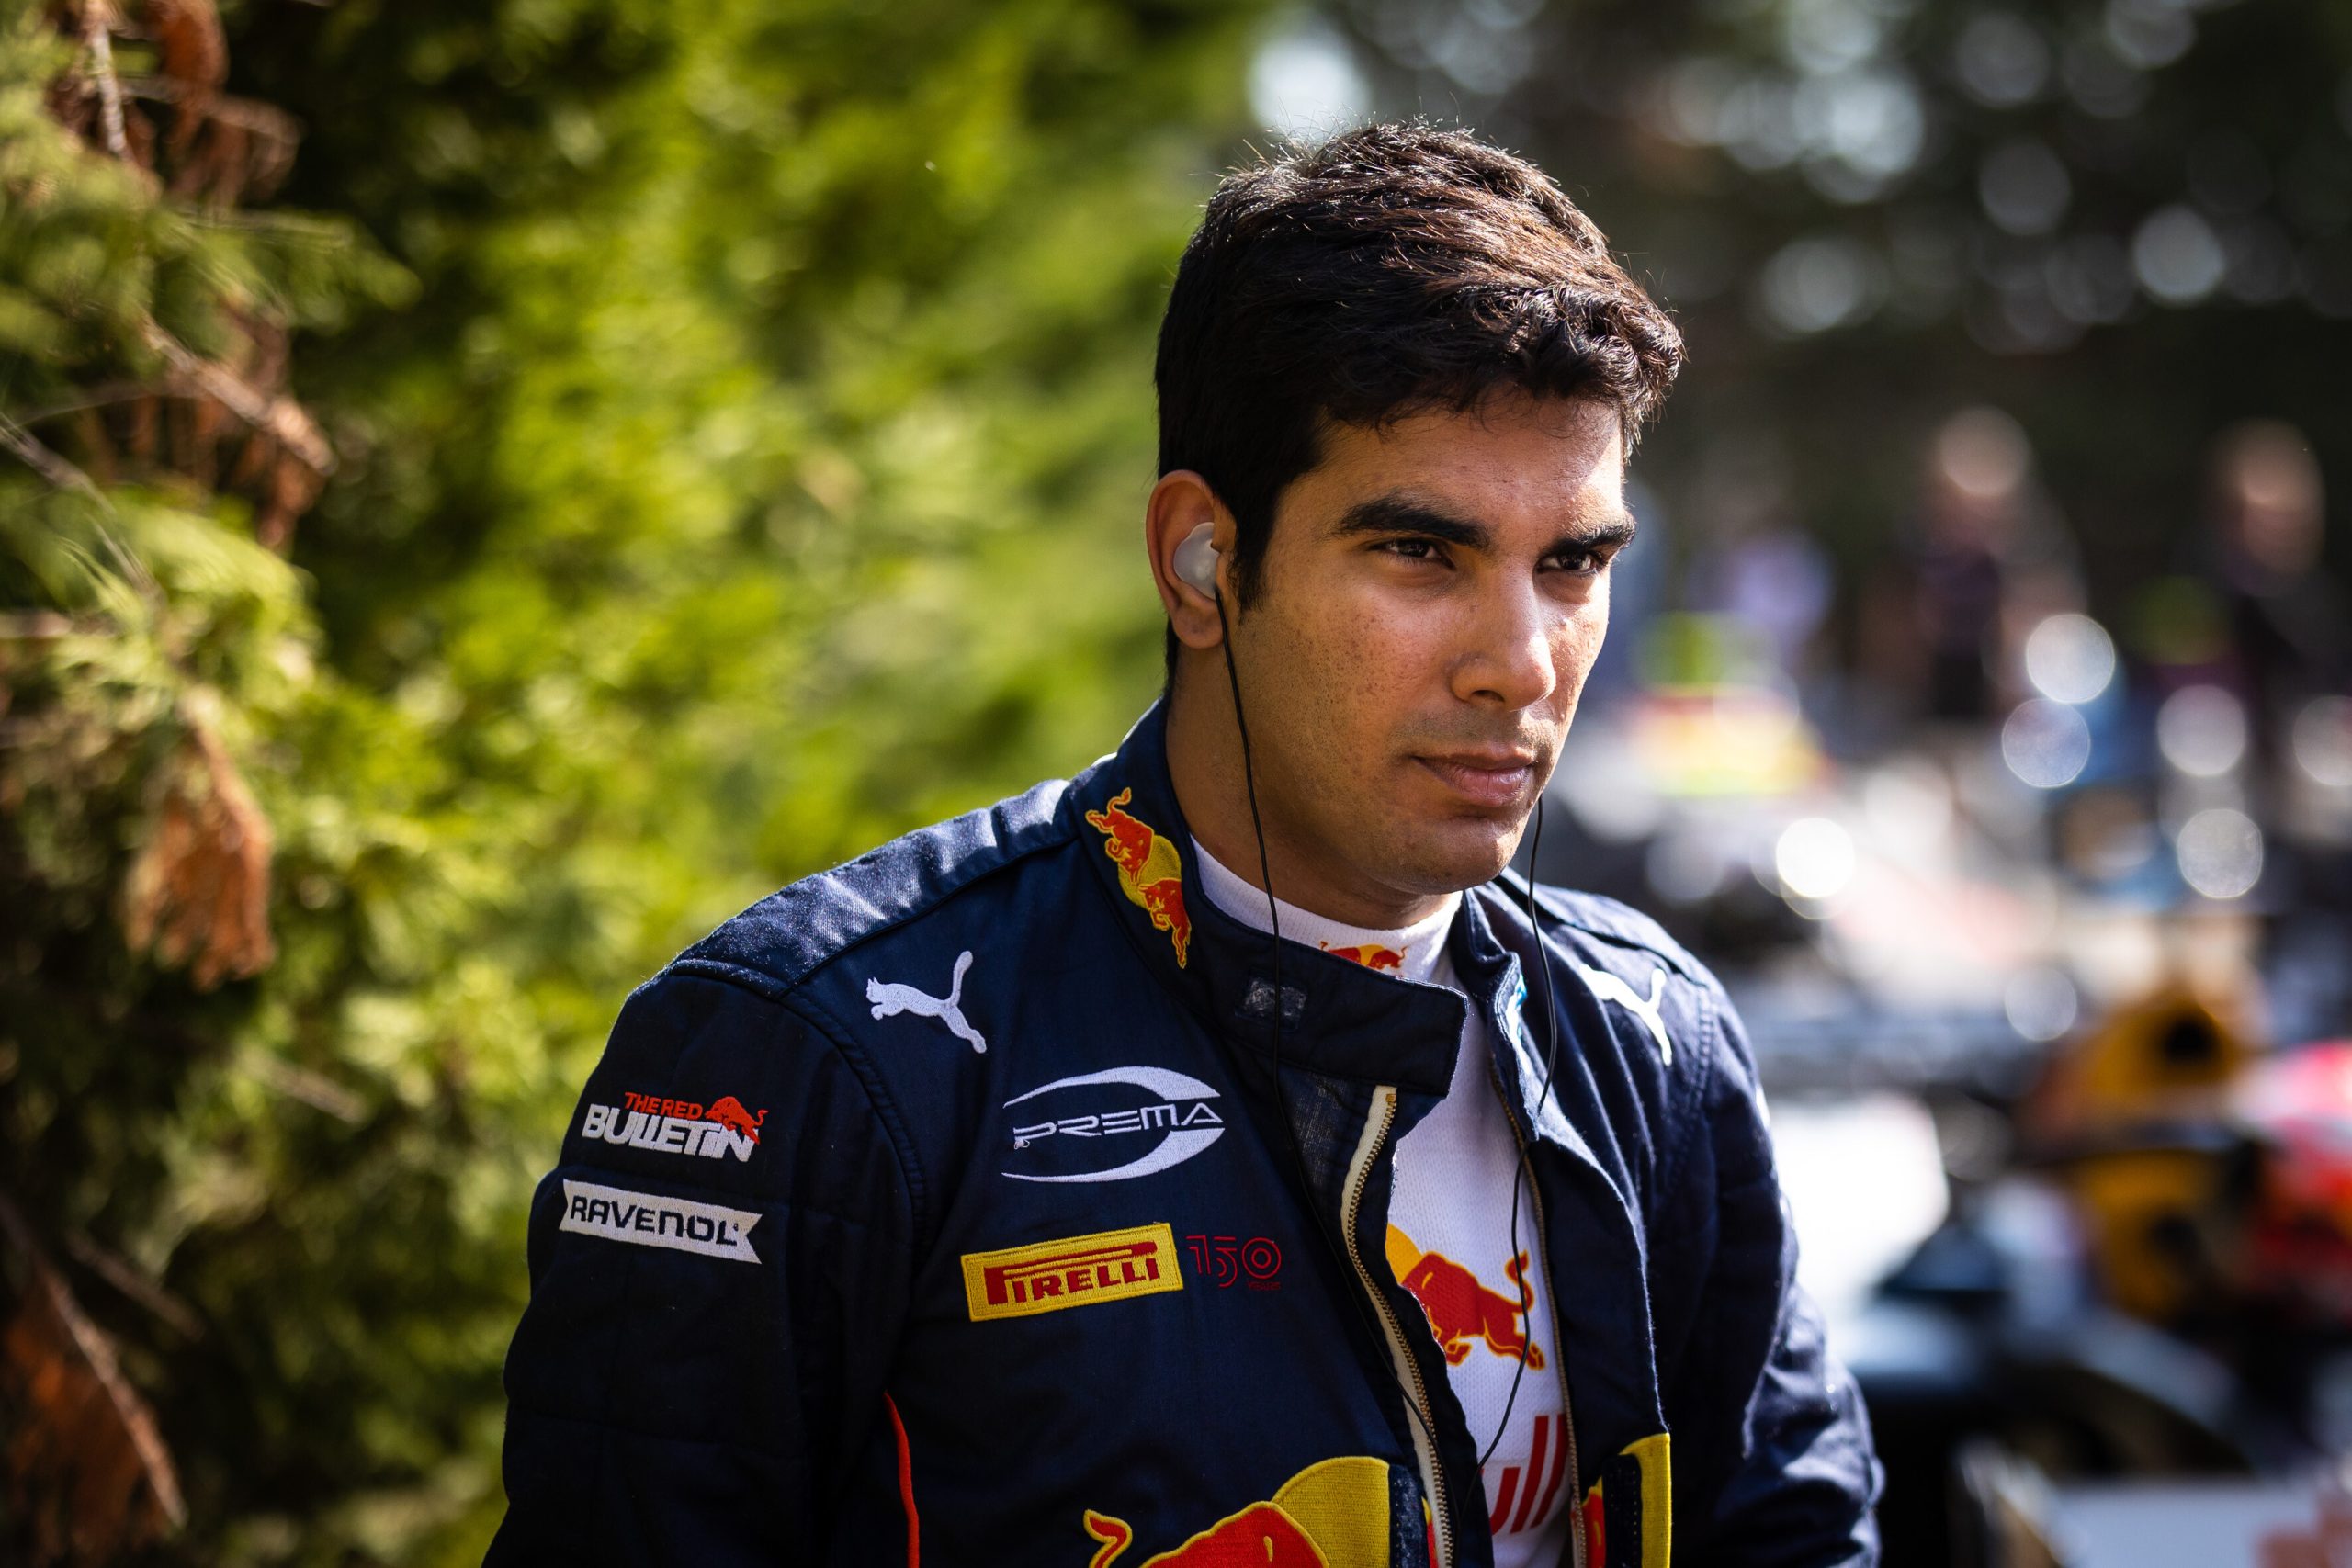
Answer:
(677, 1126)
(1171, 1105)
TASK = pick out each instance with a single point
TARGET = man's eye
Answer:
(1412, 549)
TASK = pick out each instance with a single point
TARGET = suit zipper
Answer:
(1559, 1345)
(1408, 1371)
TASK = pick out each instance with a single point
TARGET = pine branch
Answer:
(282, 417)
(105, 395)
(127, 1276)
(88, 1459)
(97, 22)
(44, 462)
(34, 626)
(248, 113)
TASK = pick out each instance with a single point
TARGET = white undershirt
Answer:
(1448, 1233)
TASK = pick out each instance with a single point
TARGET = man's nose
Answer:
(1510, 662)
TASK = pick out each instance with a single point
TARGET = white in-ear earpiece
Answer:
(1196, 560)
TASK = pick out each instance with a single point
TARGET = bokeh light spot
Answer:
(1815, 859)
(2069, 658)
(2220, 851)
(2046, 744)
(2201, 731)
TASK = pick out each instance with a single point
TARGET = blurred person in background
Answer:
(1760, 567)
(2282, 661)
(1990, 558)
(1046, 1184)
(2283, 615)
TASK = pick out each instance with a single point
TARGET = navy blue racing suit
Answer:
(963, 1205)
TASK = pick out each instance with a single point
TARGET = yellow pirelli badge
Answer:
(1050, 1275)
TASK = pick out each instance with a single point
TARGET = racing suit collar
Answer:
(1339, 1018)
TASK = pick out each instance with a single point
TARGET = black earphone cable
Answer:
(1523, 1174)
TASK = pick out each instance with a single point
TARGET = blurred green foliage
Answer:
(739, 416)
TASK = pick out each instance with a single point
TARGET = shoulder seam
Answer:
(884, 1112)
(1060, 839)
(776, 988)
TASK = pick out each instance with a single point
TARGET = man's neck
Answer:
(1206, 764)
(1410, 952)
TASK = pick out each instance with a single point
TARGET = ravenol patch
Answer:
(647, 1218)
(1050, 1275)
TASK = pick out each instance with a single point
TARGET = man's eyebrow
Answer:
(1614, 533)
(1402, 515)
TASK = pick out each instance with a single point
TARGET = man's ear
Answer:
(1181, 502)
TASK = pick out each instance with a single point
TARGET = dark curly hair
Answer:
(1386, 272)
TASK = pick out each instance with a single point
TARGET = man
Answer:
(1012, 1194)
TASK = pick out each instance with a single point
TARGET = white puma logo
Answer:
(1607, 988)
(892, 999)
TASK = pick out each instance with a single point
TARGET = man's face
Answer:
(1432, 598)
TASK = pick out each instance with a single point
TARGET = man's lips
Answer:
(1484, 778)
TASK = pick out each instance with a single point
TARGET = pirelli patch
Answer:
(1050, 1275)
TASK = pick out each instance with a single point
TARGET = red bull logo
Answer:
(1152, 873)
(729, 1112)
(1462, 1311)
(1371, 955)
(1331, 1515)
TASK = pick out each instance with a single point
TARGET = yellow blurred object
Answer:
(2148, 1216)
(1725, 741)
(2136, 1116)
(2162, 1059)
